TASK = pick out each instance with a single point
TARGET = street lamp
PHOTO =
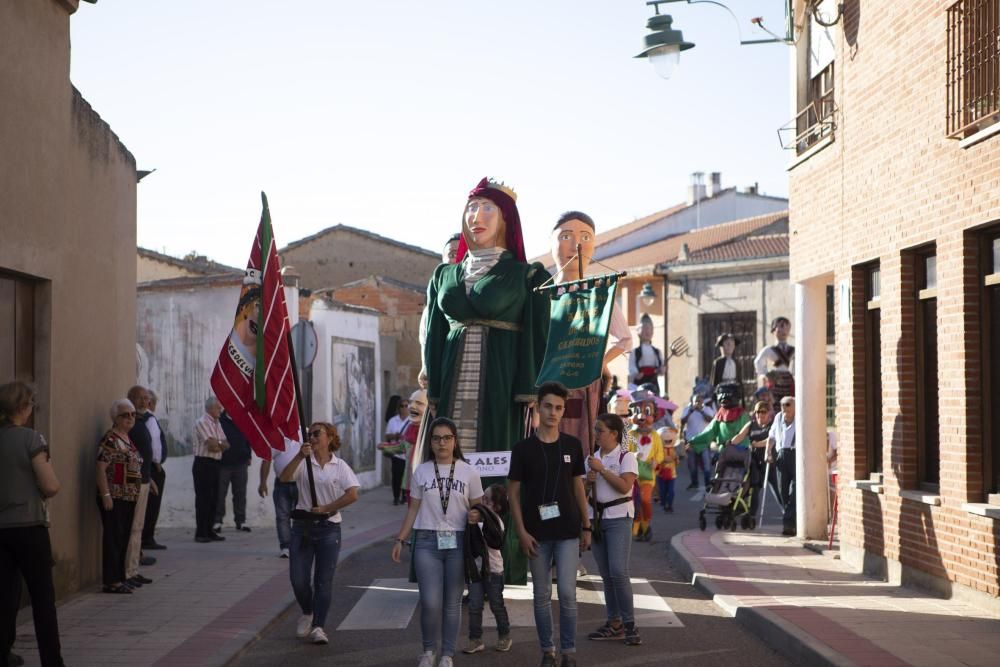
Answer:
(647, 295)
(663, 44)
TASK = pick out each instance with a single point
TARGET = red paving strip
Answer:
(845, 641)
(203, 647)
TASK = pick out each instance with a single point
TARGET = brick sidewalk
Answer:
(207, 601)
(814, 610)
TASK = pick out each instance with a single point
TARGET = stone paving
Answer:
(814, 609)
(206, 602)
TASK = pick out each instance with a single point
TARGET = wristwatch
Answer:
(588, 529)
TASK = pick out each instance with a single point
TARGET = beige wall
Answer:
(150, 269)
(891, 181)
(767, 294)
(68, 221)
(342, 256)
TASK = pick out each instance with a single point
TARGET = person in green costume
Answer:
(485, 334)
(729, 420)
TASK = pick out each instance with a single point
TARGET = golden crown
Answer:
(502, 187)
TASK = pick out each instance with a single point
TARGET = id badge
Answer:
(447, 539)
(549, 511)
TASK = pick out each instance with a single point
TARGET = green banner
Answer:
(578, 332)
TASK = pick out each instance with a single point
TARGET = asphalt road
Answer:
(385, 626)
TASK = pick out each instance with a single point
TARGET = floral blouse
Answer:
(124, 464)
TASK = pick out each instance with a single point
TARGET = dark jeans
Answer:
(206, 489)
(158, 475)
(492, 590)
(786, 486)
(398, 468)
(314, 542)
(286, 497)
(117, 524)
(27, 551)
(665, 487)
(237, 476)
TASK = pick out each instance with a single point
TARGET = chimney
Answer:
(752, 189)
(696, 191)
(684, 254)
(714, 184)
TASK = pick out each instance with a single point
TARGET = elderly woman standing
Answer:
(26, 480)
(119, 476)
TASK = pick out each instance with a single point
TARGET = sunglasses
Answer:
(786, 405)
(128, 415)
(314, 434)
(761, 412)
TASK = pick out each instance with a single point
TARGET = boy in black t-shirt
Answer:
(549, 506)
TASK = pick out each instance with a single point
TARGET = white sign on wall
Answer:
(490, 464)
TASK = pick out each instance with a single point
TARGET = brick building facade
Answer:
(902, 219)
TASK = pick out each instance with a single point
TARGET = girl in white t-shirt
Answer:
(442, 490)
(613, 470)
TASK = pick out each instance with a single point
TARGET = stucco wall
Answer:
(149, 269)
(767, 294)
(342, 256)
(68, 221)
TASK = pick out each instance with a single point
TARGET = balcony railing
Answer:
(815, 121)
(973, 72)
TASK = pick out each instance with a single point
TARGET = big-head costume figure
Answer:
(729, 419)
(776, 363)
(407, 443)
(486, 326)
(648, 448)
(583, 405)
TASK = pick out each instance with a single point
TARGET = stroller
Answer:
(728, 496)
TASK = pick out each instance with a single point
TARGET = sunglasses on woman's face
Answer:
(127, 415)
(314, 434)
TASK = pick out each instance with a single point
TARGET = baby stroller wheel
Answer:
(753, 523)
(732, 524)
(701, 522)
(745, 522)
(727, 521)
(718, 521)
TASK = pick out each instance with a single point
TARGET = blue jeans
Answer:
(319, 542)
(286, 495)
(440, 580)
(612, 552)
(492, 590)
(566, 554)
(666, 489)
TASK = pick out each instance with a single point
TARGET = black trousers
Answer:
(117, 523)
(398, 468)
(206, 493)
(158, 475)
(786, 486)
(27, 552)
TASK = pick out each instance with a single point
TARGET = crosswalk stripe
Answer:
(389, 604)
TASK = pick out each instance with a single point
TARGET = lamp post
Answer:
(647, 295)
(663, 44)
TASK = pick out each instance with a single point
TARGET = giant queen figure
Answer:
(486, 325)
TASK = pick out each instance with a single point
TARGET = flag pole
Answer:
(302, 418)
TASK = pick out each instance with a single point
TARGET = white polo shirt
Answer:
(605, 493)
(332, 481)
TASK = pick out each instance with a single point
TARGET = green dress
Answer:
(719, 432)
(483, 352)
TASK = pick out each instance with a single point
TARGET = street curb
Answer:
(784, 637)
(234, 648)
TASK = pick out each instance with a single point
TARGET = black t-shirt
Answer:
(546, 472)
(143, 441)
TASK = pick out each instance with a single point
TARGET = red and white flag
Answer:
(253, 377)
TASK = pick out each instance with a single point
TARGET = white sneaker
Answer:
(426, 659)
(303, 626)
(283, 554)
(445, 661)
(318, 636)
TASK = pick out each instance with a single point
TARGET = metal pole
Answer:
(302, 418)
(579, 260)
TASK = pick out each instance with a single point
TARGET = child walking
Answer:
(484, 568)
(667, 474)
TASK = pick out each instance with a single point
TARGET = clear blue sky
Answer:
(382, 115)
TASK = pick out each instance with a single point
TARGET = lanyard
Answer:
(545, 459)
(444, 494)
